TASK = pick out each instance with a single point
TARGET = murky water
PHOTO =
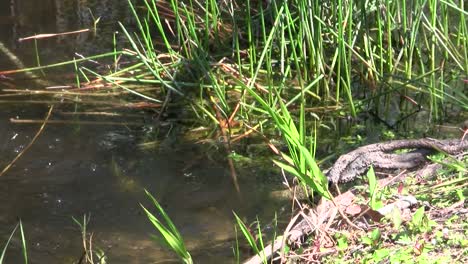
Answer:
(70, 172)
(100, 171)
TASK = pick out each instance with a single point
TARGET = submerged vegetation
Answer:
(292, 70)
(170, 235)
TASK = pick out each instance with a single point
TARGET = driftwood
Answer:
(382, 156)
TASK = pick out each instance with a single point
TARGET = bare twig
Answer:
(73, 122)
(41, 36)
(44, 122)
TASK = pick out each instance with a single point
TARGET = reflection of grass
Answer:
(170, 235)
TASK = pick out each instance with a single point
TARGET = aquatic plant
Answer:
(91, 254)
(23, 243)
(171, 237)
(331, 51)
(344, 57)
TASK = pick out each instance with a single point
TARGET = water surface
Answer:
(101, 170)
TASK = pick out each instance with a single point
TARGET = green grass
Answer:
(429, 234)
(23, 244)
(252, 241)
(91, 254)
(355, 55)
(279, 66)
(170, 236)
(327, 54)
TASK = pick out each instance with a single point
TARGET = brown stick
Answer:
(222, 125)
(44, 122)
(41, 36)
(68, 122)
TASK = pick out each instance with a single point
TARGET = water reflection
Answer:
(20, 19)
(74, 170)
(69, 173)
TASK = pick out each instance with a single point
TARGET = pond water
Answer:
(72, 171)
(100, 170)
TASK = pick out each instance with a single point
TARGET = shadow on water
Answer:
(100, 171)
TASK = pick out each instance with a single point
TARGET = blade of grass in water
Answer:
(23, 243)
(170, 235)
(251, 239)
(5, 247)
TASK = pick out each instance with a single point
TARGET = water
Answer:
(101, 171)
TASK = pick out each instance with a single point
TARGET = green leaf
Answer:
(170, 235)
(375, 198)
(7, 243)
(289, 169)
(417, 219)
(249, 237)
(381, 254)
(396, 217)
(367, 241)
(342, 243)
(23, 243)
(375, 235)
